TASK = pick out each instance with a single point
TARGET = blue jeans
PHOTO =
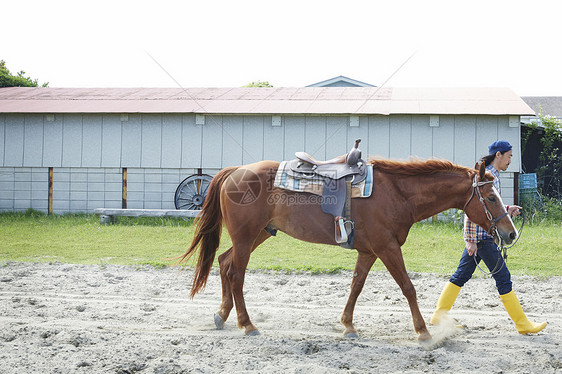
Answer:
(487, 251)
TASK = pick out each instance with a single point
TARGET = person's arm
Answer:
(469, 235)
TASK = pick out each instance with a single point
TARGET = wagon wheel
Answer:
(191, 193)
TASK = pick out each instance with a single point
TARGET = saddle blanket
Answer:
(315, 185)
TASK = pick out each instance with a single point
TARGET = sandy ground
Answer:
(60, 318)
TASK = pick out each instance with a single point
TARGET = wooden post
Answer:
(124, 204)
(50, 199)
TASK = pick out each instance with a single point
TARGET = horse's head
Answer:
(485, 207)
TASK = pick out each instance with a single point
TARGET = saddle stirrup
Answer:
(341, 232)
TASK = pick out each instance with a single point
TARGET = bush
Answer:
(546, 209)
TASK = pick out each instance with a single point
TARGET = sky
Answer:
(218, 43)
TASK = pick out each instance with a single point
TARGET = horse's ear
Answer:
(482, 170)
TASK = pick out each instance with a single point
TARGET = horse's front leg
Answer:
(364, 263)
(394, 262)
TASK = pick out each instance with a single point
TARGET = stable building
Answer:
(76, 149)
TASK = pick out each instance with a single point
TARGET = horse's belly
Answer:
(307, 223)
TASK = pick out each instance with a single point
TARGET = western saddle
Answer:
(337, 174)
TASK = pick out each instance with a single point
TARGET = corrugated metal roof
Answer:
(550, 105)
(270, 100)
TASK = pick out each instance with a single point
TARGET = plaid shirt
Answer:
(473, 232)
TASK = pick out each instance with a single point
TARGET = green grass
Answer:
(431, 247)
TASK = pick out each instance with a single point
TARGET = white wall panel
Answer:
(360, 132)
(111, 141)
(486, 133)
(151, 156)
(336, 136)
(294, 136)
(2, 138)
(232, 143)
(52, 142)
(211, 152)
(92, 140)
(422, 138)
(444, 138)
(253, 140)
(513, 136)
(273, 140)
(131, 142)
(379, 135)
(400, 137)
(72, 140)
(191, 140)
(171, 141)
(33, 140)
(465, 141)
(315, 137)
(13, 152)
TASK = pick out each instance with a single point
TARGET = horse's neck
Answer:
(438, 192)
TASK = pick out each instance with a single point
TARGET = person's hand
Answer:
(471, 248)
(514, 210)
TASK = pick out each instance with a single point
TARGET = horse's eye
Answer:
(492, 199)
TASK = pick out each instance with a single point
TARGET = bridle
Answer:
(493, 226)
(476, 190)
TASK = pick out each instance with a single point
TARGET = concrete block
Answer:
(42, 205)
(96, 187)
(22, 186)
(7, 194)
(95, 195)
(113, 195)
(22, 195)
(78, 186)
(22, 204)
(78, 195)
(6, 204)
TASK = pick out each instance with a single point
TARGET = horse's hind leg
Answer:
(394, 262)
(364, 263)
(225, 262)
(227, 303)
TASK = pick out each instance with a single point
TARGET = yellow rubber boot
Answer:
(513, 307)
(445, 302)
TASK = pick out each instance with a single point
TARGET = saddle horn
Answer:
(354, 154)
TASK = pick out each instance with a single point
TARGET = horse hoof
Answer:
(219, 322)
(253, 333)
(351, 335)
(424, 337)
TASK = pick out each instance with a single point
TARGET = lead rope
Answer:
(501, 250)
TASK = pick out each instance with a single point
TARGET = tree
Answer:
(259, 84)
(7, 79)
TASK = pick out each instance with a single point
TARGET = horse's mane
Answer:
(416, 167)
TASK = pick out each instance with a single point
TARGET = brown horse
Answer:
(404, 193)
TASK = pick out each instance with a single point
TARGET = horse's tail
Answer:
(208, 232)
